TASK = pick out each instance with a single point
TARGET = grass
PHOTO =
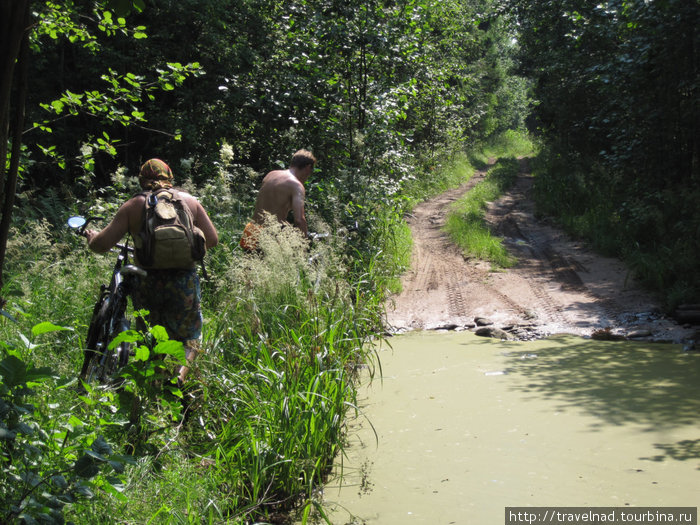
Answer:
(509, 144)
(465, 221)
(283, 341)
(440, 177)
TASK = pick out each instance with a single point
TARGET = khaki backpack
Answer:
(168, 238)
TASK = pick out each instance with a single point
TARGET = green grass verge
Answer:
(439, 178)
(283, 342)
(465, 222)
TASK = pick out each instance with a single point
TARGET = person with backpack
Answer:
(171, 232)
(282, 191)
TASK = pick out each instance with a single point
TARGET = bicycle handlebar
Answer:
(79, 224)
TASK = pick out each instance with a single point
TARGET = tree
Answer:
(26, 18)
(617, 84)
(14, 43)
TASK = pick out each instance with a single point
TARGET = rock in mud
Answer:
(638, 334)
(448, 327)
(606, 334)
(483, 321)
(492, 331)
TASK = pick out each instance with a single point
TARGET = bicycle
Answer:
(108, 315)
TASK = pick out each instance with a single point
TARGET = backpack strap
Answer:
(142, 245)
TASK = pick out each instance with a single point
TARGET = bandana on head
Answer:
(156, 173)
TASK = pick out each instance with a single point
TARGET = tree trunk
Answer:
(14, 29)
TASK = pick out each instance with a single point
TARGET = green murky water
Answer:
(466, 426)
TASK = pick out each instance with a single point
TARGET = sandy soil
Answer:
(559, 285)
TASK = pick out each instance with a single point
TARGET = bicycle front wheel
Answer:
(99, 363)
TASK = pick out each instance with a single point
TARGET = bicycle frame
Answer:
(108, 316)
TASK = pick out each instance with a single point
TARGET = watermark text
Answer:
(607, 515)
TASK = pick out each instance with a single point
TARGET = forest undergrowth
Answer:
(286, 333)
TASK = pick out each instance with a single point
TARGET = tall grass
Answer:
(440, 177)
(465, 222)
(285, 335)
(511, 143)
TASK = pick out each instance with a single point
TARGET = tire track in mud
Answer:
(557, 284)
(433, 291)
(536, 256)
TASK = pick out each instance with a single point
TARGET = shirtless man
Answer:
(282, 191)
(171, 296)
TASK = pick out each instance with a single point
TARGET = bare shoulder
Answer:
(187, 197)
(134, 203)
(274, 177)
(132, 211)
(184, 194)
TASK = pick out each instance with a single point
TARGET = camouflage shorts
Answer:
(173, 299)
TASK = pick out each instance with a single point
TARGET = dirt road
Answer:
(459, 427)
(557, 286)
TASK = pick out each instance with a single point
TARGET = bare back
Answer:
(128, 220)
(280, 193)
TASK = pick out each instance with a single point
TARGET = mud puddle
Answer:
(466, 426)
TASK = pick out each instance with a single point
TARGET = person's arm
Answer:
(298, 196)
(104, 240)
(203, 222)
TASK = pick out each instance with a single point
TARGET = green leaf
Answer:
(13, 371)
(173, 348)
(37, 374)
(46, 327)
(115, 487)
(86, 467)
(59, 481)
(84, 490)
(160, 333)
(101, 446)
(127, 336)
(96, 456)
(142, 353)
(118, 466)
(75, 422)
